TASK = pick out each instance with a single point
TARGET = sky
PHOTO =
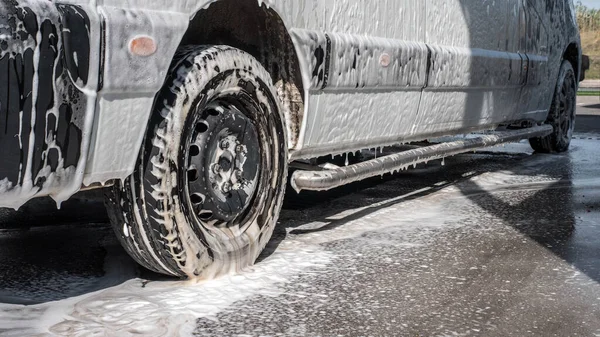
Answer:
(590, 3)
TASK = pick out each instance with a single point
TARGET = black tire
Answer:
(561, 115)
(210, 179)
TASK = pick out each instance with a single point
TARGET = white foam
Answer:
(159, 308)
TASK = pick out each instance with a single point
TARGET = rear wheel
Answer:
(210, 179)
(562, 114)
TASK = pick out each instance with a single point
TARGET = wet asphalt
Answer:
(495, 243)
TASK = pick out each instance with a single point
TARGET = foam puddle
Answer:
(158, 308)
(172, 308)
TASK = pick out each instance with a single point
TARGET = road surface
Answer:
(496, 243)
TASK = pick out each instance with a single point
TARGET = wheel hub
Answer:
(227, 173)
(223, 163)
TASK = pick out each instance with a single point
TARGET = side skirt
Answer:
(329, 179)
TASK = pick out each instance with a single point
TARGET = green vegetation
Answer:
(588, 93)
(589, 25)
(590, 42)
(588, 18)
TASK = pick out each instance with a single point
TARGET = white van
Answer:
(190, 111)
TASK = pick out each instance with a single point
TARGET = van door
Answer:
(475, 73)
(365, 65)
(533, 44)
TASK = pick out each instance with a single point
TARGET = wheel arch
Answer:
(259, 30)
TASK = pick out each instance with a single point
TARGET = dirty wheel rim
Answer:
(223, 161)
(566, 110)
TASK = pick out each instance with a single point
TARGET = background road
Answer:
(588, 111)
(497, 243)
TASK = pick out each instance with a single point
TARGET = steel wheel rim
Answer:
(223, 161)
(566, 110)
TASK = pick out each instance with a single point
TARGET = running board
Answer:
(329, 179)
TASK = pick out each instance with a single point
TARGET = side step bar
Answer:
(329, 179)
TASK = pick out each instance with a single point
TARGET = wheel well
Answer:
(259, 31)
(572, 55)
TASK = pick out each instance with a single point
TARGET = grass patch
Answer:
(590, 43)
(594, 72)
(588, 93)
